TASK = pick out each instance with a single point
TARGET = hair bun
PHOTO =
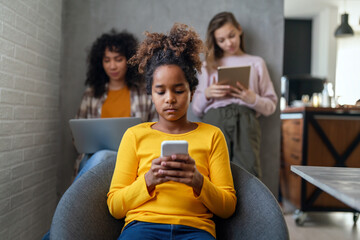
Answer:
(181, 39)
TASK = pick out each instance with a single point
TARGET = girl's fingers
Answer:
(241, 86)
(217, 91)
(174, 173)
(176, 165)
(222, 87)
(180, 162)
(183, 158)
(236, 90)
(220, 92)
(159, 161)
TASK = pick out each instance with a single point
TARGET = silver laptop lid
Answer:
(94, 134)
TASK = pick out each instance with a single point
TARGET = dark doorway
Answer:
(297, 47)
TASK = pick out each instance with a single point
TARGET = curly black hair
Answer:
(124, 43)
(180, 47)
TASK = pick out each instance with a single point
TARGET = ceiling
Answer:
(301, 9)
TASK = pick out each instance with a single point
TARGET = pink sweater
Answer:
(260, 83)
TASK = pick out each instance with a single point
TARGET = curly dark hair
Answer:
(124, 43)
(180, 47)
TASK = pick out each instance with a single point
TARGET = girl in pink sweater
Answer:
(235, 110)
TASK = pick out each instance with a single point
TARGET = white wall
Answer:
(336, 59)
(347, 87)
(30, 35)
(348, 70)
(324, 48)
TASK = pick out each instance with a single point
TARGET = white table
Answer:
(342, 183)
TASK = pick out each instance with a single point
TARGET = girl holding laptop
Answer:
(114, 88)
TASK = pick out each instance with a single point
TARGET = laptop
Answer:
(94, 134)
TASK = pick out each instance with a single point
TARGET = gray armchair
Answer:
(82, 211)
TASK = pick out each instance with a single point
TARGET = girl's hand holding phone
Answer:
(182, 169)
(178, 168)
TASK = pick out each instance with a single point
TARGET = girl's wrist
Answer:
(150, 187)
(199, 180)
(207, 95)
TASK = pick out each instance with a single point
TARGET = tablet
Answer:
(230, 75)
(94, 134)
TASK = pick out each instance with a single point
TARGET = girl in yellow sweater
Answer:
(173, 196)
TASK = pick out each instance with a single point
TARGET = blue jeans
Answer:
(95, 159)
(87, 163)
(137, 230)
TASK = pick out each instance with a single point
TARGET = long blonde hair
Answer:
(214, 52)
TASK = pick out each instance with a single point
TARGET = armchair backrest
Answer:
(82, 211)
(257, 215)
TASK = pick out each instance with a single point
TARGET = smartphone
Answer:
(171, 147)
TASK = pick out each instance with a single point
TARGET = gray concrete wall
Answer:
(85, 20)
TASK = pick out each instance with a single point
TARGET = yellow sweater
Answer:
(171, 202)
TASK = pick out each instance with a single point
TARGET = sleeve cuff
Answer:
(204, 186)
(255, 103)
(143, 183)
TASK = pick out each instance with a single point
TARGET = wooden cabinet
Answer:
(291, 154)
(317, 137)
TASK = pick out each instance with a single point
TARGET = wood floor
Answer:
(322, 225)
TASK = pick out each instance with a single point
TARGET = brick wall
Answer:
(30, 42)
